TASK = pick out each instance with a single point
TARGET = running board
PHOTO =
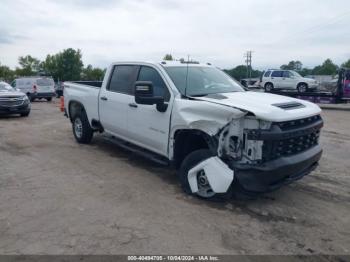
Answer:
(161, 160)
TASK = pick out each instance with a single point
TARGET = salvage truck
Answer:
(222, 139)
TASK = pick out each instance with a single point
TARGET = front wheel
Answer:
(81, 128)
(204, 189)
(49, 99)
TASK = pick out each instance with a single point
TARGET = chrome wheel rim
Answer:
(268, 87)
(204, 188)
(78, 127)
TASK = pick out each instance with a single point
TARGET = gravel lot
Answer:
(59, 197)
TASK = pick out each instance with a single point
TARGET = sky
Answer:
(215, 31)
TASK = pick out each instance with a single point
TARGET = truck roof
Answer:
(167, 63)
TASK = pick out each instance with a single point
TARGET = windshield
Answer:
(296, 74)
(202, 81)
(45, 82)
(5, 87)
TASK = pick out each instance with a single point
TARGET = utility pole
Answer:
(248, 60)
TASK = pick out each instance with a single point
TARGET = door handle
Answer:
(133, 105)
(104, 98)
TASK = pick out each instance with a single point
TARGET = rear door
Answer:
(147, 126)
(45, 85)
(114, 100)
(287, 80)
(276, 78)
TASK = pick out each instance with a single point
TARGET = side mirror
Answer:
(144, 95)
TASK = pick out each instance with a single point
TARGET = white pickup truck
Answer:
(222, 139)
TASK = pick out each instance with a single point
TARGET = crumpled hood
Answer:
(11, 93)
(263, 105)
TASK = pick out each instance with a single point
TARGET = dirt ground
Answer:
(59, 197)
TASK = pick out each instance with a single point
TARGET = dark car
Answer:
(13, 101)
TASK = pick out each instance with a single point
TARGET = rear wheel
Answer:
(302, 88)
(81, 128)
(268, 87)
(49, 99)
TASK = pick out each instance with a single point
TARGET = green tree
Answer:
(305, 71)
(327, 68)
(168, 57)
(6, 73)
(240, 72)
(65, 65)
(292, 65)
(346, 64)
(28, 66)
(90, 74)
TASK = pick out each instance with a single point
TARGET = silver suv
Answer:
(287, 79)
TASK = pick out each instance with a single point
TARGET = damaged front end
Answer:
(266, 155)
(260, 155)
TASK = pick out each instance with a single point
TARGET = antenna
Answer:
(188, 61)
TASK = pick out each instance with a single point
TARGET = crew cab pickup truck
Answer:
(220, 138)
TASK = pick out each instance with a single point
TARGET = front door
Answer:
(147, 126)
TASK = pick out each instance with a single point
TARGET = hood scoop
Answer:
(289, 105)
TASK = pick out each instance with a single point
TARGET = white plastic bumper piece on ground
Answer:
(219, 175)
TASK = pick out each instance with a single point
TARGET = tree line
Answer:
(68, 65)
(326, 68)
(63, 66)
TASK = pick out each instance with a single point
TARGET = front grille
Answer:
(288, 147)
(10, 101)
(287, 125)
(292, 145)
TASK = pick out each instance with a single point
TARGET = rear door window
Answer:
(286, 74)
(277, 74)
(123, 79)
(44, 82)
(267, 74)
(159, 88)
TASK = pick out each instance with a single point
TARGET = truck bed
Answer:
(86, 93)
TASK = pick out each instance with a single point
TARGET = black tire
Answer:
(302, 87)
(26, 114)
(49, 99)
(187, 164)
(87, 133)
(268, 87)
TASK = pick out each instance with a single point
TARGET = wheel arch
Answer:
(74, 107)
(186, 141)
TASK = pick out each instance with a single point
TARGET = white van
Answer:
(36, 87)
